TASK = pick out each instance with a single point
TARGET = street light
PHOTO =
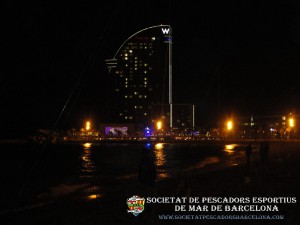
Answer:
(88, 125)
(290, 129)
(159, 125)
(229, 125)
(291, 122)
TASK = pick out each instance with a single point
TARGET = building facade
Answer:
(141, 77)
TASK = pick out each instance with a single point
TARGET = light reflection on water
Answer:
(160, 154)
(234, 153)
(88, 167)
(94, 196)
(160, 160)
(87, 164)
(87, 145)
(230, 148)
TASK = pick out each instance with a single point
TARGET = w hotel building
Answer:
(141, 78)
(141, 82)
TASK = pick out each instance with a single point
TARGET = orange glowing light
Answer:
(88, 125)
(229, 125)
(291, 122)
(159, 125)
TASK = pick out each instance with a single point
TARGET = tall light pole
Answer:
(169, 38)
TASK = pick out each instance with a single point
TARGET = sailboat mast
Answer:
(170, 79)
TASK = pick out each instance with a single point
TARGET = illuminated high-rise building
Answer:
(141, 78)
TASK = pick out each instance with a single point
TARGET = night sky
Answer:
(229, 57)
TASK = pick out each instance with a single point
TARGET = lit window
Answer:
(145, 82)
(130, 51)
(145, 71)
(125, 117)
(117, 90)
(126, 78)
(140, 96)
(135, 107)
(135, 93)
(126, 58)
(145, 114)
(135, 68)
(145, 78)
(130, 117)
(125, 96)
(145, 96)
(153, 38)
(126, 54)
(145, 64)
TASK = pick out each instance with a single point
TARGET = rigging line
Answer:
(91, 57)
(97, 49)
(170, 11)
(209, 89)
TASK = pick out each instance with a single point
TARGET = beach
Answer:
(77, 185)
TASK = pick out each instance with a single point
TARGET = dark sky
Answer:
(229, 57)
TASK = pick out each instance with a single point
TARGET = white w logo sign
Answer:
(165, 30)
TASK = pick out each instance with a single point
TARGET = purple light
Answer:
(147, 132)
